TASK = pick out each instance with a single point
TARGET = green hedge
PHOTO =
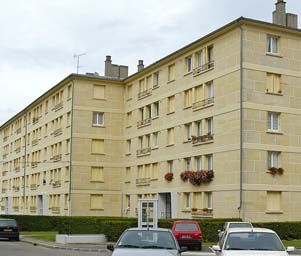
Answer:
(113, 227)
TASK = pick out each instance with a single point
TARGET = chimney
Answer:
(140, 65)
(108, 64)
(280, 17)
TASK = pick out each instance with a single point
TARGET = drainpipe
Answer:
(240, 207)
(71, 143)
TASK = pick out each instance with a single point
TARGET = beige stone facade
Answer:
(229, 102)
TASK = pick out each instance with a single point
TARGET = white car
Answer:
(146, 242)
(237, 224)
(249, 242)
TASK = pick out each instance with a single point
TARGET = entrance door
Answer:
(165, 205)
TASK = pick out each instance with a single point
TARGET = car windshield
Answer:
(240, 225)
(6, 223)
(257, 241)
(186, 227)
(147, 239)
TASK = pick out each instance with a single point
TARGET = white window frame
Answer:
(188, 164)
(272, 117)
(187, 132)
(198, 163)
(273, 159)
(155, 139)
(273, 44)
(187, 200)
(188, 62)
(209, 162)
(97, 115)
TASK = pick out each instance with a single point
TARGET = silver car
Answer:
(146, 242)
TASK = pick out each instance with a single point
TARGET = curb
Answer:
(36, 243)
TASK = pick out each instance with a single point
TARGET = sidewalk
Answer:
(72, 247)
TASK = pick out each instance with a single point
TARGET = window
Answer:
(188, 61)
(188, 164)
(67, 146)
(128, 174)
(208, 198)
(46, 106)
(187, 98)
(210, 53)
(148, 82)
(142, 85)
(170, 165)
(99, 92)
(171, 104)
(198, 163)
(273, 83)
(140, 141)
(273, 159)
(98, 119)
(156, 79)
(147, 138)
(210, 125)
(69, 92)
(67, 173)
(209, 159)
(170, 136)
(273, 121)
(187, 200)
(96, 174)
(129, 92)
(128, 201)
(129, 119)
(201, 57)
(210, 92)
(97, 146)
(154, 170)
(198, 93)
(272, 44)
(148, 111)
(68, 119)
(273, 200)
(96, 202)
(171, 72)
(141, 112)
(198, 128)
(128, 146)
(155, 139)
(187, 135)
(156, 109)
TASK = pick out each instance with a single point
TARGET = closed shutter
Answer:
(96, 201)
(97, 146)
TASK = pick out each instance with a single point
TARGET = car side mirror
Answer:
(110, 247)
(216, 248)
(183, 249)
(290, 249)
(219, 231)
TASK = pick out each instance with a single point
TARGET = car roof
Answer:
(185, 221)
(6, 219)
(236, 222)
(263, 230)
(151, 229)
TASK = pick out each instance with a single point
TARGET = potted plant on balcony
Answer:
(280, 171)
(168, 176)
(185, 175)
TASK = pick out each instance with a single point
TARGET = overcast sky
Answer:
(39, 38)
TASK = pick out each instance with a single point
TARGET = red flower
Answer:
(168, 176)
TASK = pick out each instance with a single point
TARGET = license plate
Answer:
(7, 230)
(186, 236)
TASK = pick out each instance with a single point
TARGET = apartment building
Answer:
(212, 130)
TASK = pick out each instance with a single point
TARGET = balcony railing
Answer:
(33, 186)
(203, 138)
(143, 151)
(203, 103)
(56, 158)
(144, 122)
(205, 212)
(57, 132)
(203, 68)
(35, 120)
(145, 93)
(57, 184)
(35, 142)
(58, 106)
(143, 181)
(33, 208)
(17, 169)
(34, 164)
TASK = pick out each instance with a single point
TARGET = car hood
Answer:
(255, 253)
(144, 252)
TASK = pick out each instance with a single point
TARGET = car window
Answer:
(186, 227)
(147, 239)
(261, 241)
(5, 223)
(240, 225)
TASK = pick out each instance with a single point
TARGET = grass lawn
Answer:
(296, 243)
(42, 235)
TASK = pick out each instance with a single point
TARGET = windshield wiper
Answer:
(156, 247)
(128, 246)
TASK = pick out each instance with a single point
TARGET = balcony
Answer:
(58, 106)
(35, 142)
(57, 184)
(56, 210)
(203, 103)
(144, 122)
(203, 68)
(57, 132)
(34, 164)
(143, 182)
(198, 213)
(33, 186)
(143, 151)
(56, 158)
(207, 138)
(33, 209)
(145, 94)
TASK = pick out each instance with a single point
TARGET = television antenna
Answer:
(77, 57)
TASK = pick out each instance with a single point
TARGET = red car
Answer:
(188, 233)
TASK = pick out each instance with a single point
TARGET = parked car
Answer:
(250, 241)
(234, 225)
(146, 242)
(188, 233)
(9, 229)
